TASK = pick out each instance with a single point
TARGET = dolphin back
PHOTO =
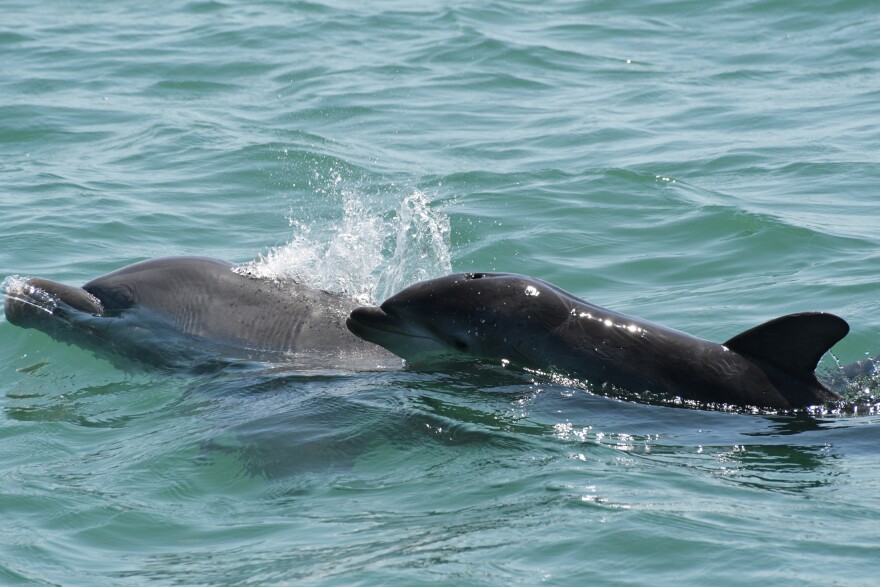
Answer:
(159, 283)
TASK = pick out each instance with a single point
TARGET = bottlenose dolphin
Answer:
(514, 318)
(211, 309)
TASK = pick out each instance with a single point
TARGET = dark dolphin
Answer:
(137, 310)
(507, 317)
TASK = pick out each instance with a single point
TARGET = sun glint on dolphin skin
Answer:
(504, 316)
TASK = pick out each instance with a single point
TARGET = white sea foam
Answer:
(377, 247)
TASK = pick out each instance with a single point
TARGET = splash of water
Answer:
(19, 289)
(421, 247)
(369, 254)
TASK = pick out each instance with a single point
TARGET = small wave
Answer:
(858, 383)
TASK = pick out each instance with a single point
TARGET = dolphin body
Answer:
(508, 317)
(173, 311)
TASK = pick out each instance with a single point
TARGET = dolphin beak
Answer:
(395, 330)
(375, 325)
(366, 319)
(43, 304)
(371, 322)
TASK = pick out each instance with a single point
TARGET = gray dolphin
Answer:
(509, 317)
(137, 310)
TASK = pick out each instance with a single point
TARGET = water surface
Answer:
(705, 167)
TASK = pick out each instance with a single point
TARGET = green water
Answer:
(705, 166)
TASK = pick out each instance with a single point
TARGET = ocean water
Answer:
(707, 166)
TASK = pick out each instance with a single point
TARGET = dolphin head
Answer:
(496, 316)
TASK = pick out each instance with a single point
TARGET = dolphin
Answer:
(168, 310)
(505, 317)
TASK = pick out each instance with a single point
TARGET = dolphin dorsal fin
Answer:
(792, 343)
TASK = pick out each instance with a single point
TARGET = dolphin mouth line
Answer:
(384, 328)
(23, 299)
(372, 320)
(364, 326)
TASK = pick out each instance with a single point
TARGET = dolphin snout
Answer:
(372, 323)
(368, 315)
(38, 302)
(365, 320)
